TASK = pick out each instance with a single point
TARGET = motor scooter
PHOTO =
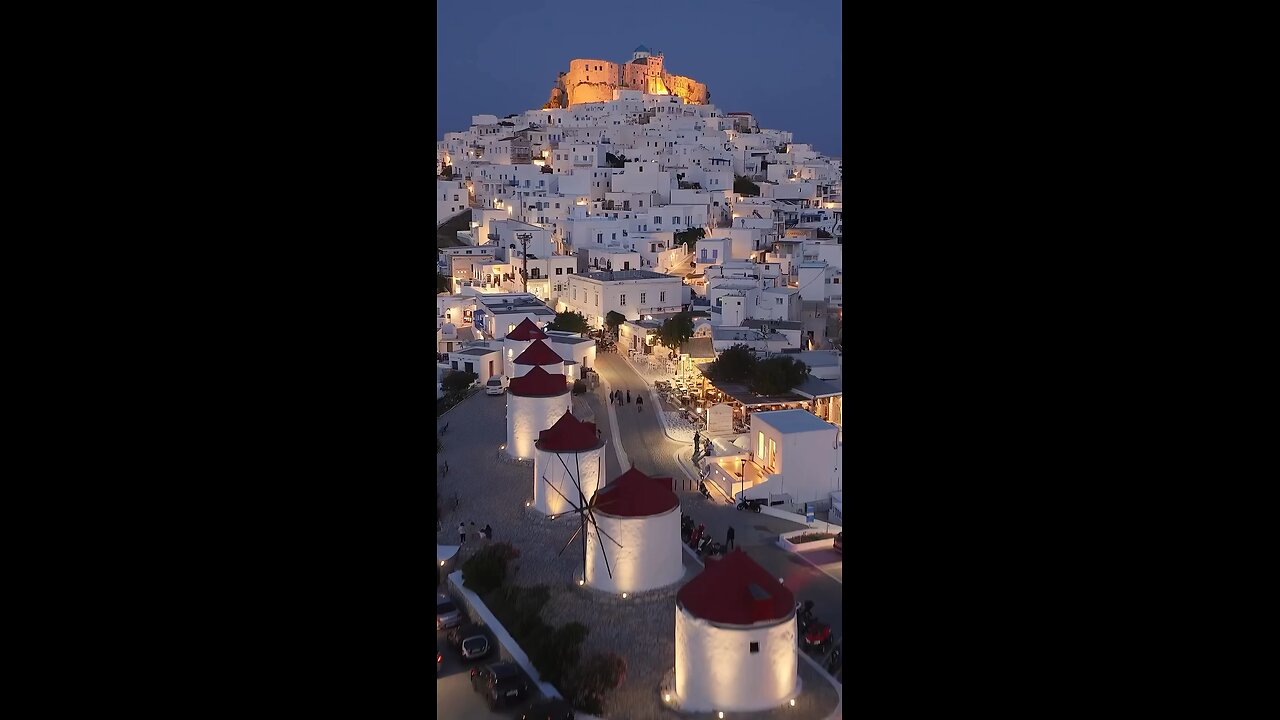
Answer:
(710, 548)
(752, 505)
(697, 535)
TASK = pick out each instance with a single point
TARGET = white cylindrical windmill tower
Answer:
(641, 514)
(567, 454)
(735, 639)
(535, 401)
(538, 354)
(516, 342)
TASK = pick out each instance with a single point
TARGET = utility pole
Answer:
(524, 239)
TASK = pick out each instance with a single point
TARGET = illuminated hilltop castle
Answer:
(597, 80)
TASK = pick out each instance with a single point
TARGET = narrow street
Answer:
(646, 443)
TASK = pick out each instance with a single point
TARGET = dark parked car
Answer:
(547, 710)
(499, 683)
(838, 544)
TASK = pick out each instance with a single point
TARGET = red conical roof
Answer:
(735, 590)
(538, 382)
(635, 494)
(569, 434)
(538, 354)
(526, 330)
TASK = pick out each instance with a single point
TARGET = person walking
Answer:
(728, 543)
(628, 396)
(473, 530)
(462, 534)
(639, 403)
(487, 532)
(697, 438)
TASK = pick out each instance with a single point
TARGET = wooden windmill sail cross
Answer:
(586, 514)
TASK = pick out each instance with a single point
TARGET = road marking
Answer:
(618, 452)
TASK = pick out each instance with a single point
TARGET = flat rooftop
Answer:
(792, 421)
(605, 275)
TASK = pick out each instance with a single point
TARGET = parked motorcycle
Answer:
(752, 505)
(710, 548)
(816, 638)
(697, 535)
(686, 528)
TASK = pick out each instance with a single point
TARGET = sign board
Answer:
(808, 513)
(719, 420)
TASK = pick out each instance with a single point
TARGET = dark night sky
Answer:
(777, 59)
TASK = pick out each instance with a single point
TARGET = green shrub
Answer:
(600, 674)
(458, 380)
(487, 569)
(555, 653)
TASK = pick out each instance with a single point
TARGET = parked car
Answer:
(838, 543)
(470, 641)
(475, 647)
(499, 683)
(547, 710)
(495, 386)
(447, 612)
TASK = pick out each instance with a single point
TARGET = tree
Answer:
(570, 321)
(457, 381)
(690, 236)
(600, 674)
(777, 375)
(487, 569)
(734, 364)
(743, 186)
(615, 161)
(613, 320)
(676, 331)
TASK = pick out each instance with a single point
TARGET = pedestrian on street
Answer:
(639, 403)
(728, 543)
(628, 396)
(487, 531)
(697, 438)
(462, 534)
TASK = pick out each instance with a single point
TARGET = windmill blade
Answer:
(566, 545)
(553, 487)
(573, 475)
(592, 517)
(603, 554)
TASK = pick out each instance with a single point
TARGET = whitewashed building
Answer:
(736, 645)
